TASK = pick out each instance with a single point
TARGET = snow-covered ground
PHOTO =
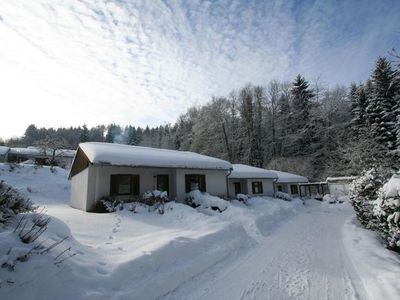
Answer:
(270, 249)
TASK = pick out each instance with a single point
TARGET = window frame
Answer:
(134, 181)
(201, 182)
(291, 189)
(258, 185)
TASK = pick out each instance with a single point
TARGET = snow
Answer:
(341, 179)
(267, 249)
(284, 196)
(284, 177)
(4, 150)
(244, 171)
(205, 201)
(392, 187)
(377, 267)
(125, 155)
(25, 151)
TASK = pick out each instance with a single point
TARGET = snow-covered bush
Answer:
(108, 205)
(242, 198)
(12, 203)
(386, 210)
(363, 192)
(329, 198)
(283, 196)
(378, 206)
(156, 199)
(198, 199)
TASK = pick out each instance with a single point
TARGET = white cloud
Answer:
(66, 63)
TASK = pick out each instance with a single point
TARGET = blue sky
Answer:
(144, 62)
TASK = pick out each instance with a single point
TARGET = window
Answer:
(279, 188)
(294, 189)
(195, 182)
(124, 184)
(257, 187)
(163, 183)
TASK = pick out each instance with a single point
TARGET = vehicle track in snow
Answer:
(302, 259)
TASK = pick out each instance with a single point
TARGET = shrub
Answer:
(12, 202)
(283, 196)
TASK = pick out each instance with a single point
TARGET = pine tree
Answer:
(132, 137)
(358, 100)
(84, 136)
(301, 101)
(381, 103)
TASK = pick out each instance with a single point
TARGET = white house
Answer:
(126, 172)
(251, 181)
(288, 183)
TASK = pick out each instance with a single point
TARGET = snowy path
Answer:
(303, 259)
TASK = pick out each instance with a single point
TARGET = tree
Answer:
(132, 137)
(84, 137)
(301, 102)
(113, 132)
(381, 103)
(31, 135)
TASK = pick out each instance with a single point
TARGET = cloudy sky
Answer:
(72, 62)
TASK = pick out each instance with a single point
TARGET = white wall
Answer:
(79, 188)
(268, 187)
(247, 188)
(215, 182)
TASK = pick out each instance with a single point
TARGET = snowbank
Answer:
(392, 187)
(377, 267)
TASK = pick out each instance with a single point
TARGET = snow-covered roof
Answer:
(284, 177)
(24, 151)
(135, 156)
(4, 150)
(37, 151)
(245, 171)
(340, 179)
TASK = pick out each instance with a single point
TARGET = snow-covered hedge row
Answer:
(377, 205)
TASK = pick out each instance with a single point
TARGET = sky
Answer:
(69, 63)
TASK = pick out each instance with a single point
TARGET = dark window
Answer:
(195, 182)
(294, 189)
(279, 188)
(163, 183)
(257, 187)
(238, 188)
(124, 184)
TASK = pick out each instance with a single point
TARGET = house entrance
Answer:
(238, 188)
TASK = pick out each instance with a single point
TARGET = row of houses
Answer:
(36, 155)
(124, 172)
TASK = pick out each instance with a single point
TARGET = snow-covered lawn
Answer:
(270, 249)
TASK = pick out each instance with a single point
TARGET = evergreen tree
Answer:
(381, 103)
(132, 137)
(113, 132)
(301, 102)
(84, 137)
(358, 100)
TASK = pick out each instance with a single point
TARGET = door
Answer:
(238, 188)
(163, 183)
